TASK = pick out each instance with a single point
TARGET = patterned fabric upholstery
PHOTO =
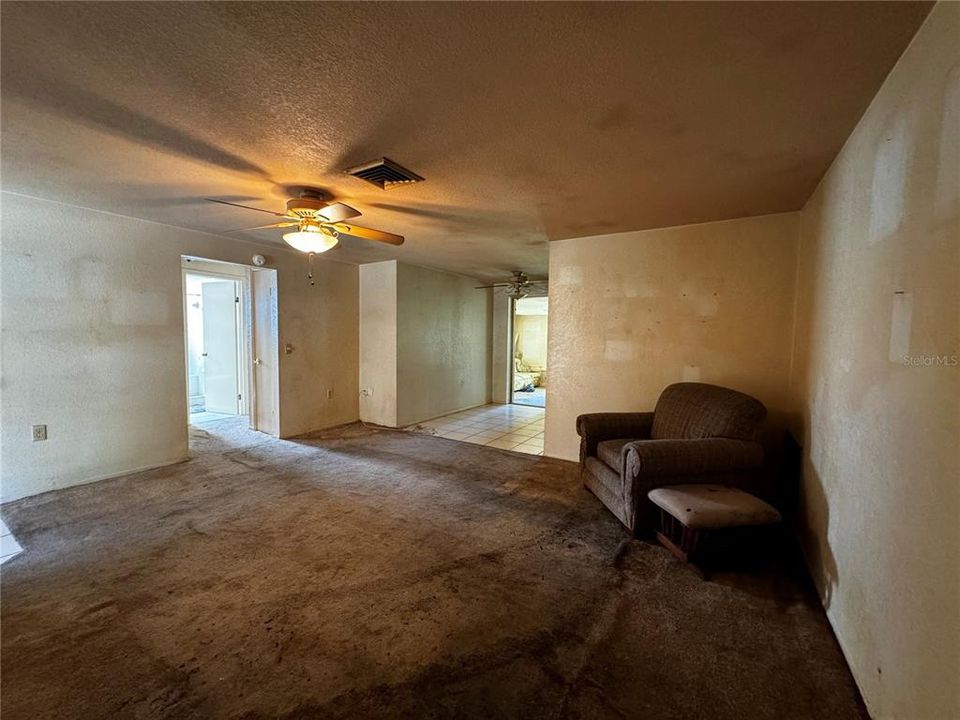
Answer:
(697, 410)
(609, 451)
(595, 427)
(698, 434)
(666, 458)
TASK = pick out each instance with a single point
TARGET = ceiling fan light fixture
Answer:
(319, 224)
(311, 241)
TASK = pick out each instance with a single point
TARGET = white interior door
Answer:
(220, 350)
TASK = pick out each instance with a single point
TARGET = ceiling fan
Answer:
(319, 224)
(519, 286)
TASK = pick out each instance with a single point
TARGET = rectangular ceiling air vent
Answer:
(384, 173)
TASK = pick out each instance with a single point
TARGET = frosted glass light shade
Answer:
(310, 242)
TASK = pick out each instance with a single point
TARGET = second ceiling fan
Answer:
(319, 224)
(517, 287)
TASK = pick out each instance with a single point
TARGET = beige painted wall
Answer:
(443, 343)
(378, 343)
(92, 323)
(531, 342)
(882, 477)
(631, 313)
(425, 349)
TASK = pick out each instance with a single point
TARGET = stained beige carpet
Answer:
(379, 574)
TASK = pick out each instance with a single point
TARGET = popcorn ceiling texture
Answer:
(530, 121)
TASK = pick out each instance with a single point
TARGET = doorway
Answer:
(230, 344)
(529, 352)
(215, 351)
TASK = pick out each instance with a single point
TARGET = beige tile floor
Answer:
(9, 547)
(509, 427)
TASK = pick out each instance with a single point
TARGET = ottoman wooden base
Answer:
(682, 541)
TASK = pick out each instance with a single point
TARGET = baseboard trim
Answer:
(98, 478)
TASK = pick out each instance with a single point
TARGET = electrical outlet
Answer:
(329, 393)
(39, 433)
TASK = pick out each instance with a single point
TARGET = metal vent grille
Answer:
(384, 173)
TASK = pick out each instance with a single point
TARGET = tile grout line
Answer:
(491, 427)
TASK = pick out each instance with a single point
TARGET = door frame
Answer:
(271, 307)
(511, 349)
(243, 335)
(512, 346)
(246, 325)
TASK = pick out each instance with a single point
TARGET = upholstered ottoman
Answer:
(688, 512)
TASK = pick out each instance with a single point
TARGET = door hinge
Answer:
(236, 299)
(239, 397)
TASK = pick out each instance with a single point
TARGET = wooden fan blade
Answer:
(367, 233)
(246, 207)
(484, 287)
(264, 227)
(337, 212)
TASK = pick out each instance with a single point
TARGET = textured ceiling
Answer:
(530, 121)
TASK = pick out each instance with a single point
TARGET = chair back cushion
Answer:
(690, 411)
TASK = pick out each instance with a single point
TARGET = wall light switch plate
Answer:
(39, 433)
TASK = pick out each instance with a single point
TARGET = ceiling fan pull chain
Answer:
(310, 265)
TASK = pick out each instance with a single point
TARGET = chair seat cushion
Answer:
(713, 506)
(609, 452)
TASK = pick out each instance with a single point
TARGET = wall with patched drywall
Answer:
(92, 323)
(425, 343)
(877, 383)
(443, 343)
(631, 313)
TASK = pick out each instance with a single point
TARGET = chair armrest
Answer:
(667, 458)
(596, 427)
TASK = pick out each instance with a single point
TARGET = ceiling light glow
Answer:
(310, 241)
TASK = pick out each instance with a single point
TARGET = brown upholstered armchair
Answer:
(697, 433)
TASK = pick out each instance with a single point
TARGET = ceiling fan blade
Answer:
(246, 207)
(496, 285)
(337, 212)
(264, 227)
(367, 233)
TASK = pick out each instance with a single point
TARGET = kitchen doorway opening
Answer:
(230, 342)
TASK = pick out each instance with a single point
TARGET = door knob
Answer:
(257, 361)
